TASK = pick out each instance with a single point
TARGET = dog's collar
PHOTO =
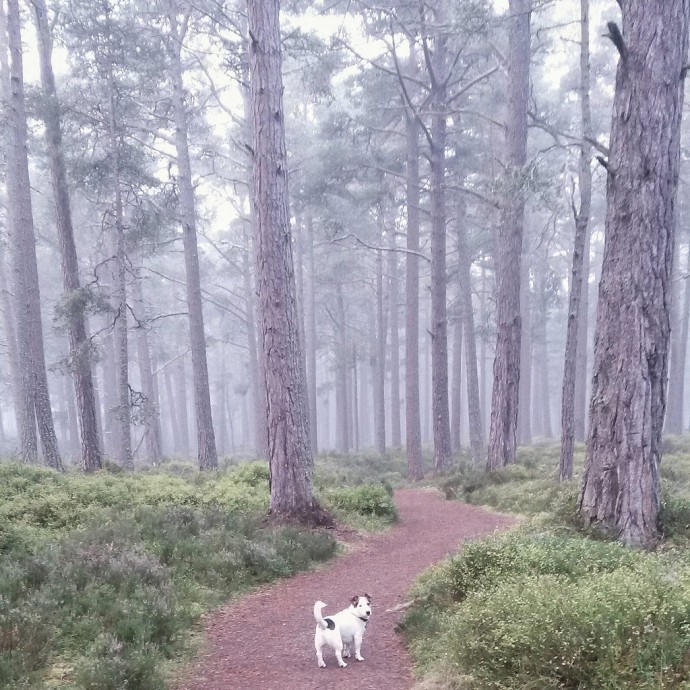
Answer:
(364, 620)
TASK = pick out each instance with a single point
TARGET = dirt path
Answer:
(264, 641)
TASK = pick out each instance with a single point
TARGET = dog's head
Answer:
(361, 604)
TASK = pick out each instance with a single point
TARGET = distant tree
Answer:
(578, 281)
(504, 402)
(620, 489)
(290, 458)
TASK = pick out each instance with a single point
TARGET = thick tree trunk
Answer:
(620, 490)
(504, 401)
(206, 442)
(29, 325)
(439, 312)
(80, 360)
(290, 457)
(413, 424)
(578, 281)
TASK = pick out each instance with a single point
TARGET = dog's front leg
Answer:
(358, 647)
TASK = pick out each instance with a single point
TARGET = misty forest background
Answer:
(153, 104)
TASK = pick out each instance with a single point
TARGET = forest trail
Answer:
(264, 641)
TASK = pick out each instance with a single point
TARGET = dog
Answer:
(343, 630)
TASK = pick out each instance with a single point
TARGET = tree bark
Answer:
(206, 442)
(379, 361)
(27, 292)
(439, 311)
(504, 401)
(578, 281)
(413, 423)
(620, 490)
(582, 368)
(310, 333)
(80, 355)
(394, 320)
(290, 456)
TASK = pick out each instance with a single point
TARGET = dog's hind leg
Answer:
(339, 656)
(346, 651)
(319, 654)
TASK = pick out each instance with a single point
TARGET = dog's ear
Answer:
(354, 600)
(368, 598)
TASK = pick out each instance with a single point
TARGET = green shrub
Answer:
(373, 500)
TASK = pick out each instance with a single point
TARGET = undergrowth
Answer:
(103, 577)
(550, 605)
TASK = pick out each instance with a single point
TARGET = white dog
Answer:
(342, 630)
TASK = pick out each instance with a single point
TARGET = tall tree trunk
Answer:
(181, 404)
(473, 402)
(109, 364)
(379, 360)
(439, 312)
(456, 386)
(29, 325)
(173, 416)
(151, 410)
(206, 442)
(354, 407)
(620, 489)
(342, 360)
(413, 423)
(255, 376)
(80, 360)
(11, 340)
(290, 456)
(394, 299)
(581, 367)
(504, 401)
(484, 320)
(676, 379)
(578, 281)
(310, 333)
(526, 415)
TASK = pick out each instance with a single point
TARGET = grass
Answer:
(103, 577)
(548, 606)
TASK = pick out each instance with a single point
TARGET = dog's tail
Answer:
(317, 615)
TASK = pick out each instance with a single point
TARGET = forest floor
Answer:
(264, 641)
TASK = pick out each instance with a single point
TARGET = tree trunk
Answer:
(413, 423)
(439, 312)
(676, 379)
(578, 282)
(620, 490)
(310, 334)
(151, 410)
(473, 402)
(379, 360)
(181, 404)
(504, 400)
(342, 361)
(109, 363)
(394, 299)
(290, 457)
(173, 417)
(29, 325)
(582, 369)
(527, 417)
(354, 406)
(456, 386)
(80, 355)
(206, 442)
